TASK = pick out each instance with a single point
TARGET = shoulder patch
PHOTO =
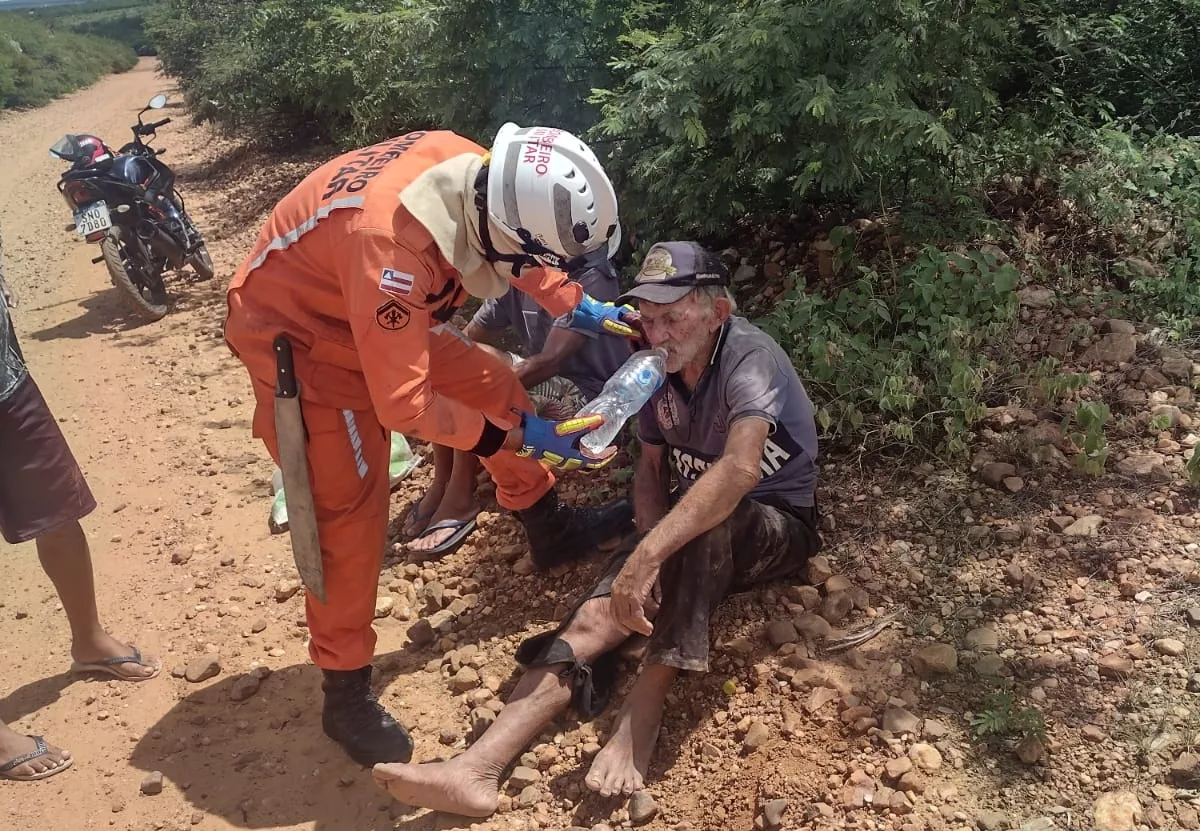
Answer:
(398, 283)
(392, 316)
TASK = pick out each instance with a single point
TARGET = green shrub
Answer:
(1143, 192)
(1004, 718)
(38, 63)
(1140, 58)
(906, 355)
(1090, 417)
(359, 70)
(119, 20)
(717, 117)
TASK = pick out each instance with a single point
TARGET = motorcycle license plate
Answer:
(93, 218)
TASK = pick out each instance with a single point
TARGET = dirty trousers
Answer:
(348, 454)
(759, 543)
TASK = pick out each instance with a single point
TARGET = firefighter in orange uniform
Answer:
(361, 267)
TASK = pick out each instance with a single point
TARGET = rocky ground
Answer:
(1016, 593)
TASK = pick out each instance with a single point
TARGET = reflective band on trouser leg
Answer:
(350, 493)
(356, 443)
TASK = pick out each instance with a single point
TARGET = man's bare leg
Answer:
(469, 783)
(457, 501)
(68, 563)
(443, 468)
(13, 744)
(620, 766)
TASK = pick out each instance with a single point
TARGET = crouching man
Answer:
(737, 426)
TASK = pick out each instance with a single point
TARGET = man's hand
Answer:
(598, 317)
(631, 593)
(556, 443)
(10, 299)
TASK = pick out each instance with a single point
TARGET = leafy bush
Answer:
(720, 115)
(1140, 59)
(38, 63)
(359, 70)
(1143, 192)
(908, 355)
(300, 61)
(119, 20)
(712, 112)
(771, 105)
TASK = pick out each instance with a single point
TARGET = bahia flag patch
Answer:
(395, 282)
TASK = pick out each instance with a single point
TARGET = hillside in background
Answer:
(59, 47)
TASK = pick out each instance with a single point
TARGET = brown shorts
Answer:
(41, 486)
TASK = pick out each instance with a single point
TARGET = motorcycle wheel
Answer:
(149, 303)
(201, 262)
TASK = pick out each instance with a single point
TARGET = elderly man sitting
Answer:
(737, 426)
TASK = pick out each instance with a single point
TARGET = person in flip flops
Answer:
(734, 427)
(43, 496)
(562, 365)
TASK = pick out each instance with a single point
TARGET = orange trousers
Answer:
(348, 454)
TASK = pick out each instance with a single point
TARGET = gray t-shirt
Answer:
(12, 365)
(596, 360)
(749, 375)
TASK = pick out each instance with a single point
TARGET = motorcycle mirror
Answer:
(158, 102)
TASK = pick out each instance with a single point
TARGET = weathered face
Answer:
(683, 328)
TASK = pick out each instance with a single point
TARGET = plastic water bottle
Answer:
(624, 394)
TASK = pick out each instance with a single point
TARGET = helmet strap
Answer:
(517, 261)
(529, 244)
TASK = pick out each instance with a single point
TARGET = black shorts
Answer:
(41, 486)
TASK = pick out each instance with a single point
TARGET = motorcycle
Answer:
(127, 202)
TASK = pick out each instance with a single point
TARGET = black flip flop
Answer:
(40, 749)
(462, 530)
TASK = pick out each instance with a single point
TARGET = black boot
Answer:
(355, 719)
(562, 533)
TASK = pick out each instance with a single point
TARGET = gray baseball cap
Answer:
(672, 269)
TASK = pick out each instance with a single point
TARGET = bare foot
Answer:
(103, 646)
(620, 766)
(451, 787)
(13, 745)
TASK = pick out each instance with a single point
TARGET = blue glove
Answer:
(598, 317)
(556, 443)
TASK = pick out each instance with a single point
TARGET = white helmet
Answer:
(547, 191)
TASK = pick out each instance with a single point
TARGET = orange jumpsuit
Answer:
(362, 291)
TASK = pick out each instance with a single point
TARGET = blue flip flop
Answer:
(462, 530)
